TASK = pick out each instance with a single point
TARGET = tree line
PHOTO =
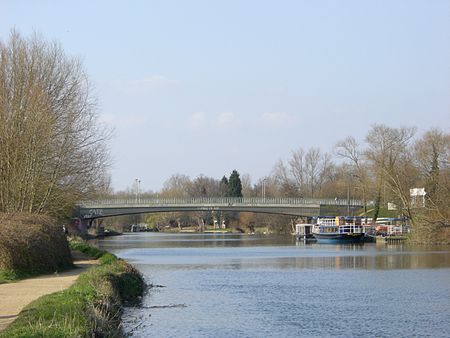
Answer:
(380, 169)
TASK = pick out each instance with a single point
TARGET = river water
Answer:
(227, 285)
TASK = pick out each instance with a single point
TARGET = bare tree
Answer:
(304, 174)
(176, 186)
(283, 180)
(391, 160)
(247, 190)
(53, 148)
(204, 186)
(349, 149)
(432, 155)
(313, 166)
(298, 170)
(327, 170)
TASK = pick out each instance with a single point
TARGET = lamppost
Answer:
(138, 183)
(264, 189)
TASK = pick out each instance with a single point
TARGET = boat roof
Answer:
(362, 217)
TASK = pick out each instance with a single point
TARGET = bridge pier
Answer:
(96, 227)
(89, 226)
(79, 227)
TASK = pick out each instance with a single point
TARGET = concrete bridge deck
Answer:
(281, 205)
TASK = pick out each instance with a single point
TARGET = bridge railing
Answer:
(219, 201)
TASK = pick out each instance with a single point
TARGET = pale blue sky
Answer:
(205, 87)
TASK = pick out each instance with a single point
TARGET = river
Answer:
(228, 285)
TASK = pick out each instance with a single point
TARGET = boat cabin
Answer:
(339, 225)
(304, 230)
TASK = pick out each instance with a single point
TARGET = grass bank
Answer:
(8, 276)
(91, 307)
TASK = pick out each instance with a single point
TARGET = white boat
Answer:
(339, 229)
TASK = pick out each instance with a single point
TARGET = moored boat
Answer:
(339, 230)
(304, 232)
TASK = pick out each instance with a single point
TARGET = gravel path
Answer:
(15, 296)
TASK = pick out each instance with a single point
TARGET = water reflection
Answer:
(272, 286)
(378, 262)
(155, 240)
(234, 251)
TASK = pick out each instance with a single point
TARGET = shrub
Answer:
(32, 244)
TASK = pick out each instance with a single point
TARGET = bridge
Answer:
(307, 207)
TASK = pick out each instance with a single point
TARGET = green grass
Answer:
(90, 307)
(383, 212)
(104, 257)
(8, 276)
(86, 249)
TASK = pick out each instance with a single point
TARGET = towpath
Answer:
(15, 296)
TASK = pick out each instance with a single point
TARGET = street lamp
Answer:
(264, 188)
(138, 183)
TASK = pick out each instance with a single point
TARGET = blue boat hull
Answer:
(339, 238)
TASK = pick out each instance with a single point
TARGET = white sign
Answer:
(417, 192)
(392, 206)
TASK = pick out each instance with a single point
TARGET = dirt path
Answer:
(15, 296)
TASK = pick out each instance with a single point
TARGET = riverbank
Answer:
(92, 306)
(16, 295)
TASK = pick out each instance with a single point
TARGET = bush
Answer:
(429, 233)
(32, 244)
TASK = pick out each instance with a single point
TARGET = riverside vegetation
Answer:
(380, 170)
(31, 245)
(34, 244)
(52, 146)
(91, 307)
(53, 153)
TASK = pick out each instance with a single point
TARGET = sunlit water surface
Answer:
(223, 285)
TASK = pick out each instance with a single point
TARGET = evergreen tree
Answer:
(223, 187)
(234, 185)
